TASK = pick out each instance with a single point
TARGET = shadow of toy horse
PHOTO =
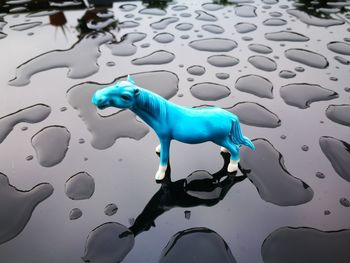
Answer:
(200, 188)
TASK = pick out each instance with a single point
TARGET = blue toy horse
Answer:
(171, 121)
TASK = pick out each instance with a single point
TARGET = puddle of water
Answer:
(212, 6)
(338, 153)
(339, 47)
(245, 11)
(79, 66)
(109, 242)
(32, 114)
(259, 48)
(126, 47)
(339, 114)
(204, 16)
(80, 186)
(199, 244)
(215, 29)
(307, 57)
(286, 36)
(164, 38)
(163, 23)
(301, 95)
(222, 61)
(153, 11)
(51, 144)
(19, 206)
(254, 114)
(263, 63)
(209, 91)
(300, 244)
(256, 85)
(274, 183)
(213, 44)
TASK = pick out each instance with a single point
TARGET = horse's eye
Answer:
(125, 97)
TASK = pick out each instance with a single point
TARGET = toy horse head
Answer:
(121, 95)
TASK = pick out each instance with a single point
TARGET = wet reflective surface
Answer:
(76, 183)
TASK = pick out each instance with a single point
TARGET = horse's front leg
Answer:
(164, 158)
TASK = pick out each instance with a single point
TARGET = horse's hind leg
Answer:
(234, 151)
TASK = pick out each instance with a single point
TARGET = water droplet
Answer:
(286, 36)
(122, 123)
(305, 148)
(313, 20)
(164, 38)
(245, 11)
(287, 74)
(274, 22)
(344, 202)
(254, 114)
(156, 58)
(29, 157)
(81, 141)
(333, 78)
(302, 244)
(263, 63)
(109, 242)
(259, 48)
(275, 14)
(213, 44)
(80, 186)
(198, 70)
(256, 85)
(204, 16)
(126, 46)
(299, 69)
(185, 37)
(212, 6)
(347, 89)
(283, 137)
(338, 153)
(129, 24)
(32, 114)
(19, 206)
(127, 7)
(163, 23)
(339, 47)
(222, 61)
(301, 95)
(209, 91)
(43, 13)
(153, 11)
(51, 144)
(62, 109)
(339, 113)
(190, 79)
(307, 57)
(184, 26)
(320, 175)
(205, 246)
(145, 45)
(187, 214)
(215, 29)
(75, 213)
(244, 27)
(111, 209)
(101, 25)
(179, 7)
(24, 128)
(79, 66)
(327, 212)
(222, 75)
(25, 26)
(185, 15)
(342, 60)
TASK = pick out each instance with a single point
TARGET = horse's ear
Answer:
(136, 92)
(130, 79)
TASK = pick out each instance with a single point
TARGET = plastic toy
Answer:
(171, 121)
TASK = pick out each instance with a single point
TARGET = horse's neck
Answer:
(151, 108)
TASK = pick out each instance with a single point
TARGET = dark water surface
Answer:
(77, 183)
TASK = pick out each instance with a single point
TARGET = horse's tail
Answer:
(237, 136)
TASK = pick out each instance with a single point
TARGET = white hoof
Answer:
(160, 173)
(233, 166)
(158, 149)
(223, 150)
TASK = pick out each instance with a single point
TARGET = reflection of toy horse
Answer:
(170, 121)
(200, 188)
